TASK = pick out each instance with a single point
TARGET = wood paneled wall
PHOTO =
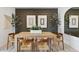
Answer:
(52, 14)
(71, 31)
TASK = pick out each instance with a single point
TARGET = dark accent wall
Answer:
(52, 14)
(71, 31)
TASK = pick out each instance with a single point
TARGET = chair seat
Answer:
(27, 48)
(59, 39)
(43, 46)
(25, 44)
(12, 40)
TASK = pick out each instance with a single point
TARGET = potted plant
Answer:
(36, 29)
(15, 21)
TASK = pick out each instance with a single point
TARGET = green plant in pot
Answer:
(14, 20)
(54, 21)
(35, 28)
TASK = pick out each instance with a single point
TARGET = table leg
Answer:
(50, 44)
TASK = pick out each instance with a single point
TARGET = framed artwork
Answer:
(42, 21)
(73, 21)
(30, 20)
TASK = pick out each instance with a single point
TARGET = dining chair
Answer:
(11, 40)
(60, 40)
(42, 44)
(24, 44)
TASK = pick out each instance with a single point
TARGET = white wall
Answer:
(5, 26)
(61, 13)
(68, 39)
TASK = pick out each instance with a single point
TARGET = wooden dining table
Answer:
(34, 35)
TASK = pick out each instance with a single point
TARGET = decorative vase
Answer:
(36, 31)
(13, 29)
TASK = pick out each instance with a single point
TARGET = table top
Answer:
(43, 34)
(24, 34)
(34, 35)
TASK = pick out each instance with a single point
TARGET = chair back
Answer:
(11, 35)
(60, 36)
(43, 40)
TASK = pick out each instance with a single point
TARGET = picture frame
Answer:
(42, 21)
(73, 21)
(30, 20)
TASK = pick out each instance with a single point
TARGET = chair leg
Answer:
(32, 45)
(17, 46)
(8, 43)
(63, 44)
(58, 45)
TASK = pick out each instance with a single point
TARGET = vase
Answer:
(13, 29)
(36, 31)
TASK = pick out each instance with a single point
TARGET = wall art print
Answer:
(42, 21)
(73, 21)
(31, 21)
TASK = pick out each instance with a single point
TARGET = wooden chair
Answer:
(24, 44)
(60, 39)
(11, 40)
(42, 44)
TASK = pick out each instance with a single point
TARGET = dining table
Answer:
(34, 35)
